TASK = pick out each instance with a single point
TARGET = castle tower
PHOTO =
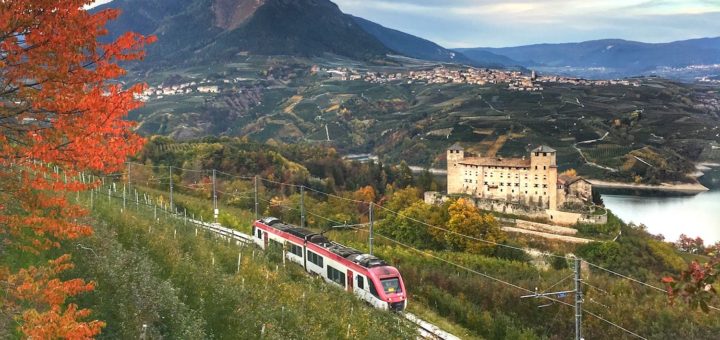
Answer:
(455, 154)
(543, 169)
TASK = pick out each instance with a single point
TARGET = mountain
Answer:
(217, 30)
(419, 48)
(612, 56)
(410, 45)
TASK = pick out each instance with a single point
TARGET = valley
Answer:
(654, 129)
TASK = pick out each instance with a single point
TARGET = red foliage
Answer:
(59, 105)
(695, 284)
(690, 245)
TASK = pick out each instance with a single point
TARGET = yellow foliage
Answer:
(472, 231)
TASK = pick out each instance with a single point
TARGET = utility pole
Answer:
(370, 213)
(171, 188)
(127, 166)
(578, 299)
(302, 206)
(215, 206)
(257, 216)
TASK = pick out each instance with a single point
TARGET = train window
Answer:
(391, 286)
(295, 249)
(336, 275)
(259, 233)
(315, 258)
(373, 291)
(360, 282)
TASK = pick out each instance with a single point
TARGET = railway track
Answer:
(426, 330)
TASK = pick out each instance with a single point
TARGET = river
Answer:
(672, 214)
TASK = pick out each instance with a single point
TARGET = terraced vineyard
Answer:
(415, 121)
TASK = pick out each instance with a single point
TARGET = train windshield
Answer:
(391, 285)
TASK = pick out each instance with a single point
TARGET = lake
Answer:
(672, 214)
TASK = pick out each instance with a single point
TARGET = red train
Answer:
(367, 276)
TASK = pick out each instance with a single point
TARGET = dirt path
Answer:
(585, 158)
(495, 147)
(570, 239)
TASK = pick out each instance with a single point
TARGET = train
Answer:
(368, 277)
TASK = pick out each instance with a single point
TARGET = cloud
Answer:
(469, 23)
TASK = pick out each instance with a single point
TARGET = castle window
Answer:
(536, 185)
(537, 154)
(544, 167)
(544, 153)
(544, 185)
(536, 167)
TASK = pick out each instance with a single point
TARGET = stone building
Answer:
(531, 181)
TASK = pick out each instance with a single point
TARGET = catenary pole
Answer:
(257, 216)
(302, 206)
(370, 213)
(171, 188)
(215, 205)
(578, 299)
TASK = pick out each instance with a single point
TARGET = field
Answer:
(416, 122)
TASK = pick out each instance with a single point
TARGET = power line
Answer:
(462, 267)
(505, 282)
(614, 324)
(627, 277)
(335, 196)
(235, 176)
(463, 235)
(430, 225)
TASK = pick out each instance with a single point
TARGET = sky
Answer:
(500, 23)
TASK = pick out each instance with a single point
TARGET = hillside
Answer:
(449, 281)
(201, 31)
(611, 57)
(666, 124)
(415, 47)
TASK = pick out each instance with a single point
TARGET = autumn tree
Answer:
(61, 113)
(690, 245)
(416, 225)
(471, 230)
(696, 285)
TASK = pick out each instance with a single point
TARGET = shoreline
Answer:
(691, 188)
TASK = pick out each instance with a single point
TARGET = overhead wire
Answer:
(443, 229)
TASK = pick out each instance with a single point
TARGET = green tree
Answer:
(404, 176)
(406, 228)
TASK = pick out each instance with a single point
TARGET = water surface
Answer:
(671, 214)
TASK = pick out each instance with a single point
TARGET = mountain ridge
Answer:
(624, 57)
(198, 31)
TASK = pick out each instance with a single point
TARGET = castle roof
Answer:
(497, 161)
(456, 147)
(568, 180)
(544, 148)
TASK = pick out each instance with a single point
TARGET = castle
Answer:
(532, 182)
